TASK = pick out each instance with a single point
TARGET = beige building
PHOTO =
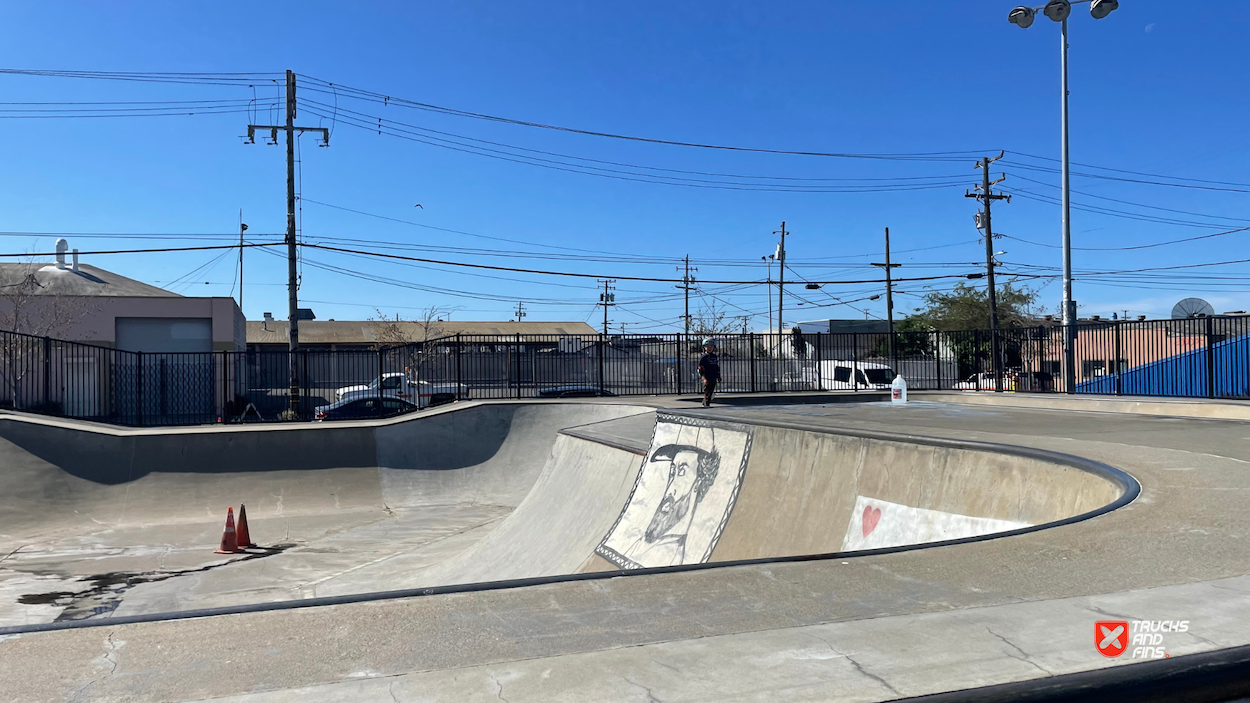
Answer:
(83, 303)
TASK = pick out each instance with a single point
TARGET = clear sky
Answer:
(1158, 88)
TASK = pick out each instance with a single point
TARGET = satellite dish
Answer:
(1192, 307)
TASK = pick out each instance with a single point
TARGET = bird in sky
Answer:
(419, 205)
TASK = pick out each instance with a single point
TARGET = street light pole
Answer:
(1058, 11)
(1069, 307)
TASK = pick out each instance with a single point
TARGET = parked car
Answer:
(398, 385)
(1012, 381)
(364, 409)
(574, 392)
(848, 375)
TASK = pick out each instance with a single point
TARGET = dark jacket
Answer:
(709, 367)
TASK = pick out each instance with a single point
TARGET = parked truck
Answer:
(398, 385)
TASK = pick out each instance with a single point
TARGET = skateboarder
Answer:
(709, 371)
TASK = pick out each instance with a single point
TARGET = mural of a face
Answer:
(691, 472)
(685, 490)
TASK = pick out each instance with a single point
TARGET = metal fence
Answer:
(1205, 357)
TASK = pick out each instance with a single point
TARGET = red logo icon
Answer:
(1111, 637)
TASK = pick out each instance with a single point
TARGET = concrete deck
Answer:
(853, 627)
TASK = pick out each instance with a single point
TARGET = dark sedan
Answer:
(365, 409)
(574, 392)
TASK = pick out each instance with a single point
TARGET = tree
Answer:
(711, 321)
(967, 308)
(397, 332)
(29, 306)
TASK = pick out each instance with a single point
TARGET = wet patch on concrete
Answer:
(105, 592)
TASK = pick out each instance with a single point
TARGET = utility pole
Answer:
(242, 229)
(607, 299)
(986, 196)
(769, 260)
(781, 278)
(520, 311)
(292, 273)
(687, 284)
(889, 293)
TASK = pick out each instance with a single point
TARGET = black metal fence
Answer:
(1205, 357)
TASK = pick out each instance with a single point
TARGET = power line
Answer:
(146, 251)
(376, 123)
(1133, 173)
(589, 275)
(1129, 202)
(380, 128)
(1138, 246)
(348, 91)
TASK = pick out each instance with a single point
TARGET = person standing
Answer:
(709, 371)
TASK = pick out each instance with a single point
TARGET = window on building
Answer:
(1093, 367)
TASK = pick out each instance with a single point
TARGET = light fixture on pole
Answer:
(1058, 11)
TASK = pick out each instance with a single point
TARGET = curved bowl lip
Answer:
(1129, 486)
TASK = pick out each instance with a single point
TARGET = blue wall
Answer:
(1184, 374)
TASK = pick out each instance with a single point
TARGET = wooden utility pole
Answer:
(781, 279)
(986, 196)
(242, 229)
(889, 294)
(687, 284)
(607, 299)
(520, 311)
(292, 245)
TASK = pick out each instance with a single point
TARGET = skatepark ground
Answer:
(115, 528)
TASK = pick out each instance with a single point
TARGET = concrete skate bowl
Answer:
(490, 495)
(101, 522)
(785, 491)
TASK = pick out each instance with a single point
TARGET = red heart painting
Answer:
(871, 517)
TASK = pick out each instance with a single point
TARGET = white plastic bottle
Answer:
(898, 390)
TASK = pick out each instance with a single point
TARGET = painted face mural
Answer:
(683, 495)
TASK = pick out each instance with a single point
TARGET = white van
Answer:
(848, 375)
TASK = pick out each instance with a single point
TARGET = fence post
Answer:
(221, 409)
(139, 388)
(681, 346)
(820, 381)
(1119, 383)
(751, 357)
(937, 357)
(47, 371)
(458, 375)
(1210, 358)
(381, 375)
(600, 350)
(518, 366)
(855, 361)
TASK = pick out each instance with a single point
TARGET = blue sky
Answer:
(1157, 88)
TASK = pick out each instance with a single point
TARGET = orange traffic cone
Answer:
(245, 540)
(229, 539)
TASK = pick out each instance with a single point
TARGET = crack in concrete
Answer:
(670, 667)
(858, 667)
(1109, 614)
(108, 657)
(499, 685)
(651, 697)
(391, 690)
(1024, 656)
